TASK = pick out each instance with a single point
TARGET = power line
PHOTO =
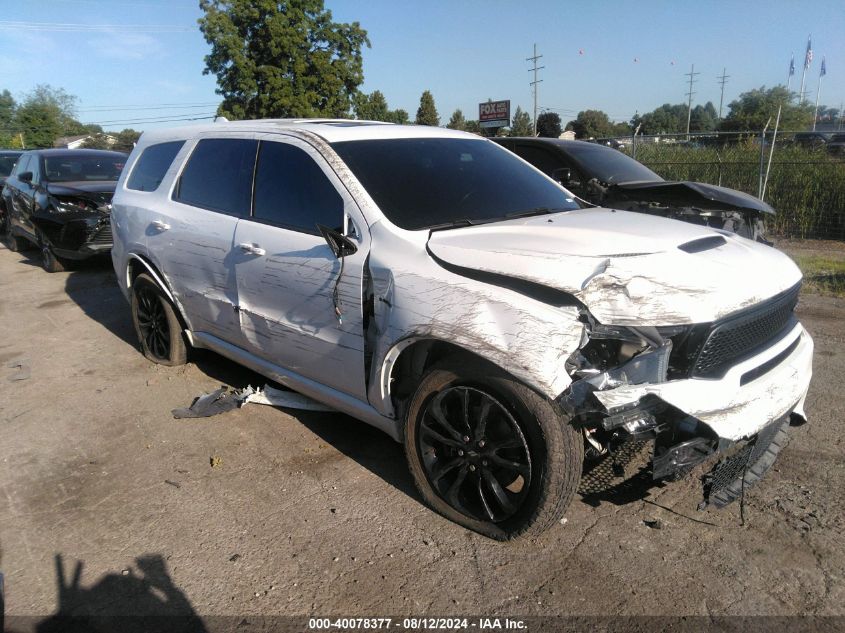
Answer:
(534, 84)
(691, 74)
(150, 107)
(70, 27)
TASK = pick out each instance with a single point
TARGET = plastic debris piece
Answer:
(23, 373)
(215, 461)
(175, 484)
(282, 398)
(214, 403)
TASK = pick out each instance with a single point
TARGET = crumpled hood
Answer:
(687, 193)
(99, 192)
(627, 268)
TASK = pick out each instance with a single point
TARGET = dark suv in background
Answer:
(60, 201)
(606, 177)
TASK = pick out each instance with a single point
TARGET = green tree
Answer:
(126, 140)
(373, 107)
(398, 116)
(281, 59)
(7, 118)
(45, 114)
(703, 118)
(592, 124)
(667, 119)
(457, 121)
(521, 123)
(752, 109)
(97, 141)
(427, 113)
(548, 125)
(474, 127)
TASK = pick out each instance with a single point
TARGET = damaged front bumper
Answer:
(734, 419)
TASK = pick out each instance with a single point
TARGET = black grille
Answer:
(740, 336)
(101, 235)
(709, 350)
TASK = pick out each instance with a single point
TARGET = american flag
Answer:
(823, 71)
(808, 59)
(792, 66)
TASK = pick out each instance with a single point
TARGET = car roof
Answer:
(330, 130)
(74, 152)
(559, 142)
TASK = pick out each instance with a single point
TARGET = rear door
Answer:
(300, 306)
(190, 234)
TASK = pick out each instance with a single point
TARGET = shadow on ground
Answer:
(137, 600)
(93, 287)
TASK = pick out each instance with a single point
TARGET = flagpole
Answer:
(807, 61)
(818, 90)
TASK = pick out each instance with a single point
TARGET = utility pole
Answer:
(841, 114)
(691, 74)
(534, 83)
(723, 79)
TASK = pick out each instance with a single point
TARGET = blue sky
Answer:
(148, 63)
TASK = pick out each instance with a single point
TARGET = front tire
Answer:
(489, 453)
(12, 242)
(156, 324)
(49, 261)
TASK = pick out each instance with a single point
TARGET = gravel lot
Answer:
(315, 513)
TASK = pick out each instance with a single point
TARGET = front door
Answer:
(299, 305)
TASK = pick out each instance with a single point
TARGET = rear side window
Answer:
(22, 165)
(152, 165)
(293, 192)
(218, 176)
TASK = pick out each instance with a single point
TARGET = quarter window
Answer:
(293, 192)
(150, 168)
(218, 176)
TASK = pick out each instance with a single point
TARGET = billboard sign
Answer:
(494, 113)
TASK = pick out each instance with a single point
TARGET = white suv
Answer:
(434, 285)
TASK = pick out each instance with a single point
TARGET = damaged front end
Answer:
(697, 203)
(625, 381)
(77, 225)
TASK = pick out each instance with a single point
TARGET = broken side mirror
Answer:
(340, 244)
(25, 176)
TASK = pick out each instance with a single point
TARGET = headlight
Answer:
(75, 206)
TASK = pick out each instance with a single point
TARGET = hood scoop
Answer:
(703, 244)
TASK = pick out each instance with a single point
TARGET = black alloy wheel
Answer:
(475, 455)
(488, 452)
(158, 328)
(152, 322)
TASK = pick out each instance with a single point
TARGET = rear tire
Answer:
(156, 324)
(489, 453)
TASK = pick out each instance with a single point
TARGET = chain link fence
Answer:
(800, 174)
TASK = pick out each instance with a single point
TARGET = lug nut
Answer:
(460, 453)
(466, 438)
(472, 467)
(480, 443)
(483, 462)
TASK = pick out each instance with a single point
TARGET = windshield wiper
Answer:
(529, 212)
(452, 224)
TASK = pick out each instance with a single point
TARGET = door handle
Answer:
(161, 226)
(252, 249)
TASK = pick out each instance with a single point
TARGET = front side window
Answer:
(23, 164)
(421, 183)
(293, 192)
(218, 176)
(153, 163)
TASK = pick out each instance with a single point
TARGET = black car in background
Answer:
(606, 177)
(60, 201)
(8, 159)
